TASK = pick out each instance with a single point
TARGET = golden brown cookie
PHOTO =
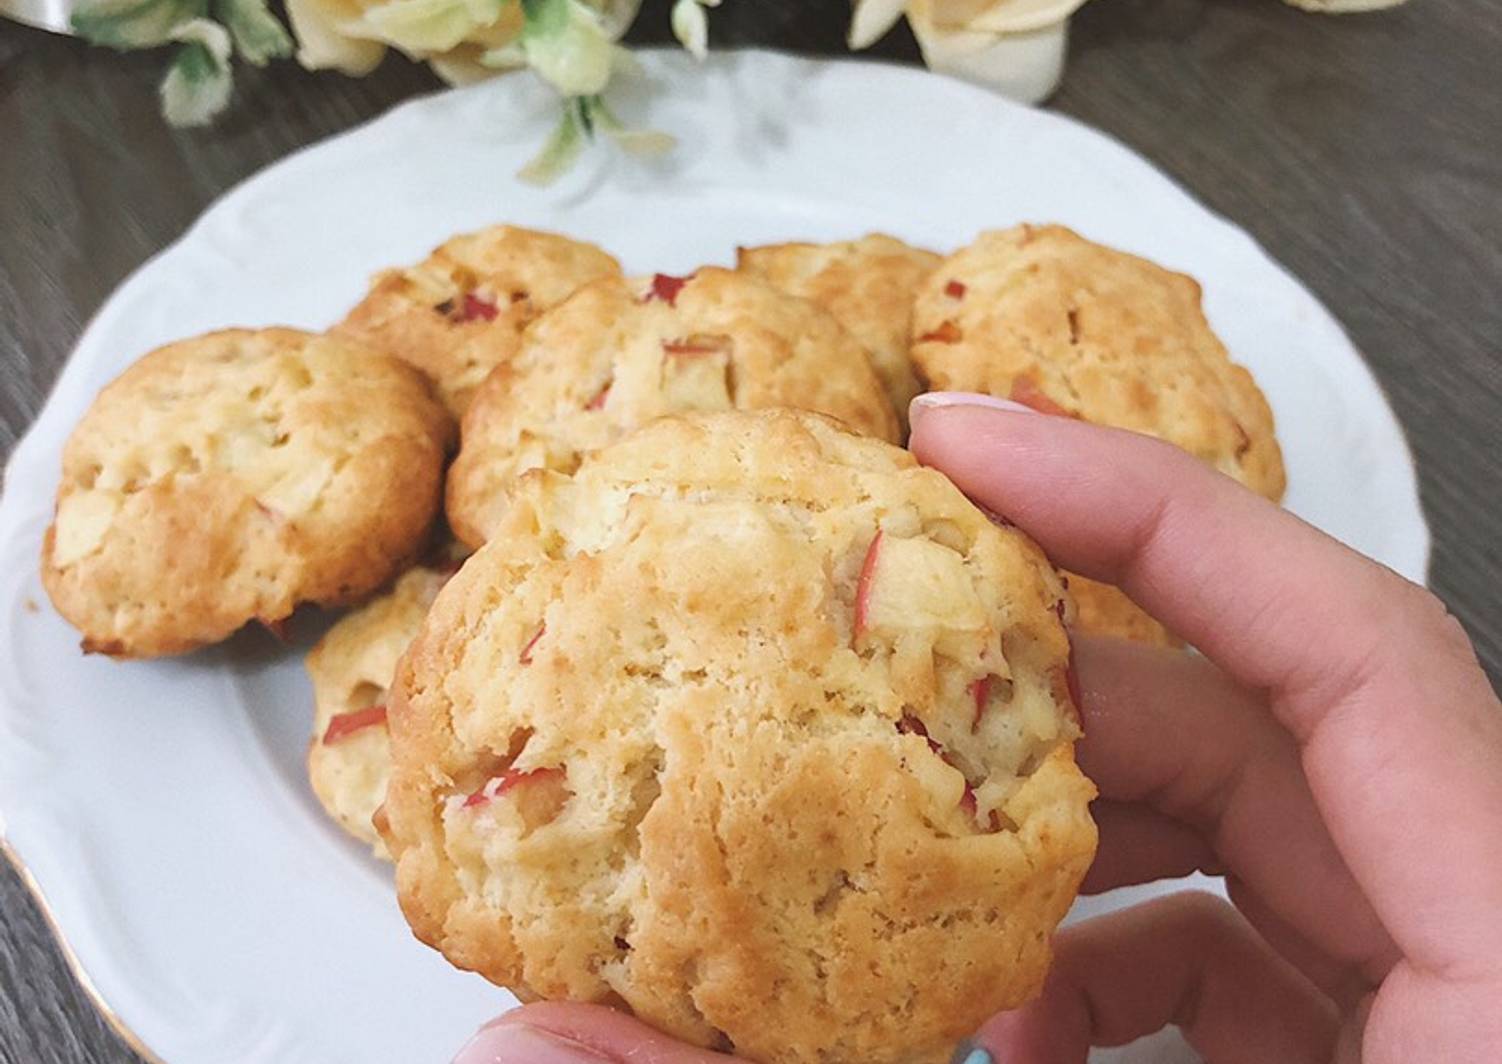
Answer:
(349, 757)
(868, 285)
(1042, 316)
(757, 726)
(460, 312)
(230, 477)
(1102, 609)
(619, 353)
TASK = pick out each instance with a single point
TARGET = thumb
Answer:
(565, 1033)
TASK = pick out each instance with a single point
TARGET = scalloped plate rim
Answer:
(27, 482)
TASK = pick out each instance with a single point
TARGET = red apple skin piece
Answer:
(980, 690)
(1027, 393)
(281, 629)
(508, 780)
(1072, 682)
(863, 586)
(526, 654)
(474, 307)
(598, 402)
(343, 725)
(947, 333)
(955, 289)
(911, 725)
(666, 288)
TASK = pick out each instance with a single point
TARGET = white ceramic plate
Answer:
(161, 808)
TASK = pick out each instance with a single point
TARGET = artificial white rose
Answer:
(464, 40)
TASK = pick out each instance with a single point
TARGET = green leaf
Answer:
(197, 85)
(624, 63)
(644, 143)
(544, 18)
(575, 58)
(616, 16)
(258, 34)
(560, 152)
(127, 24)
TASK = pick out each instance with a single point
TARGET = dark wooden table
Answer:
(1365, 153)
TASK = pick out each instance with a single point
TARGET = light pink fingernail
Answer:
(938, 400)
(516, 1043)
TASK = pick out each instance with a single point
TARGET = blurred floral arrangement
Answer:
(571, 44)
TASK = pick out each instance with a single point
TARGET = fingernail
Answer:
(970, 1053)
(938, 400)
(516, 1043)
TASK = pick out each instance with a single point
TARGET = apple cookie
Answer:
(460, 312)
(349, 757)
(868, 285)
(230, 477)
(617, 354)
(1042, 316)
(1104, 609)
(753, 725)
(1039, 315)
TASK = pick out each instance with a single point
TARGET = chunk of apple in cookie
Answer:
(83, 519)
(696, 374)
(911, 586)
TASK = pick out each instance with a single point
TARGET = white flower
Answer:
(872, 19)
(327, 39)
(997, 16)
(690, 25)
(1335, 7)
(422, 27)
(197, 84)
(568, 41)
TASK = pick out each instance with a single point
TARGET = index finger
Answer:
(1400, 733)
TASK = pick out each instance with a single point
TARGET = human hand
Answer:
(1336, 753)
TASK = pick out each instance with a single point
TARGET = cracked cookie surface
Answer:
(757, 726)
(230, 477)
(460, 312)
(868, 285)
(619, 353)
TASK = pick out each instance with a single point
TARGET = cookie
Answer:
(617, 354)
(756, 726)
(230, 477)
(1042, 316)
(460, 312)
(349, 757)
(1102, 609)
(868, 285)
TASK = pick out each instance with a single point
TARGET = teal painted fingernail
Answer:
(970, 1053)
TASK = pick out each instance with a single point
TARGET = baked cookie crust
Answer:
(230, 477)
(617, 354)
(756, 726)
(349, 756)
(868, 285)
(460, 312)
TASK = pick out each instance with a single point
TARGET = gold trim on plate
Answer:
(75, 966)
